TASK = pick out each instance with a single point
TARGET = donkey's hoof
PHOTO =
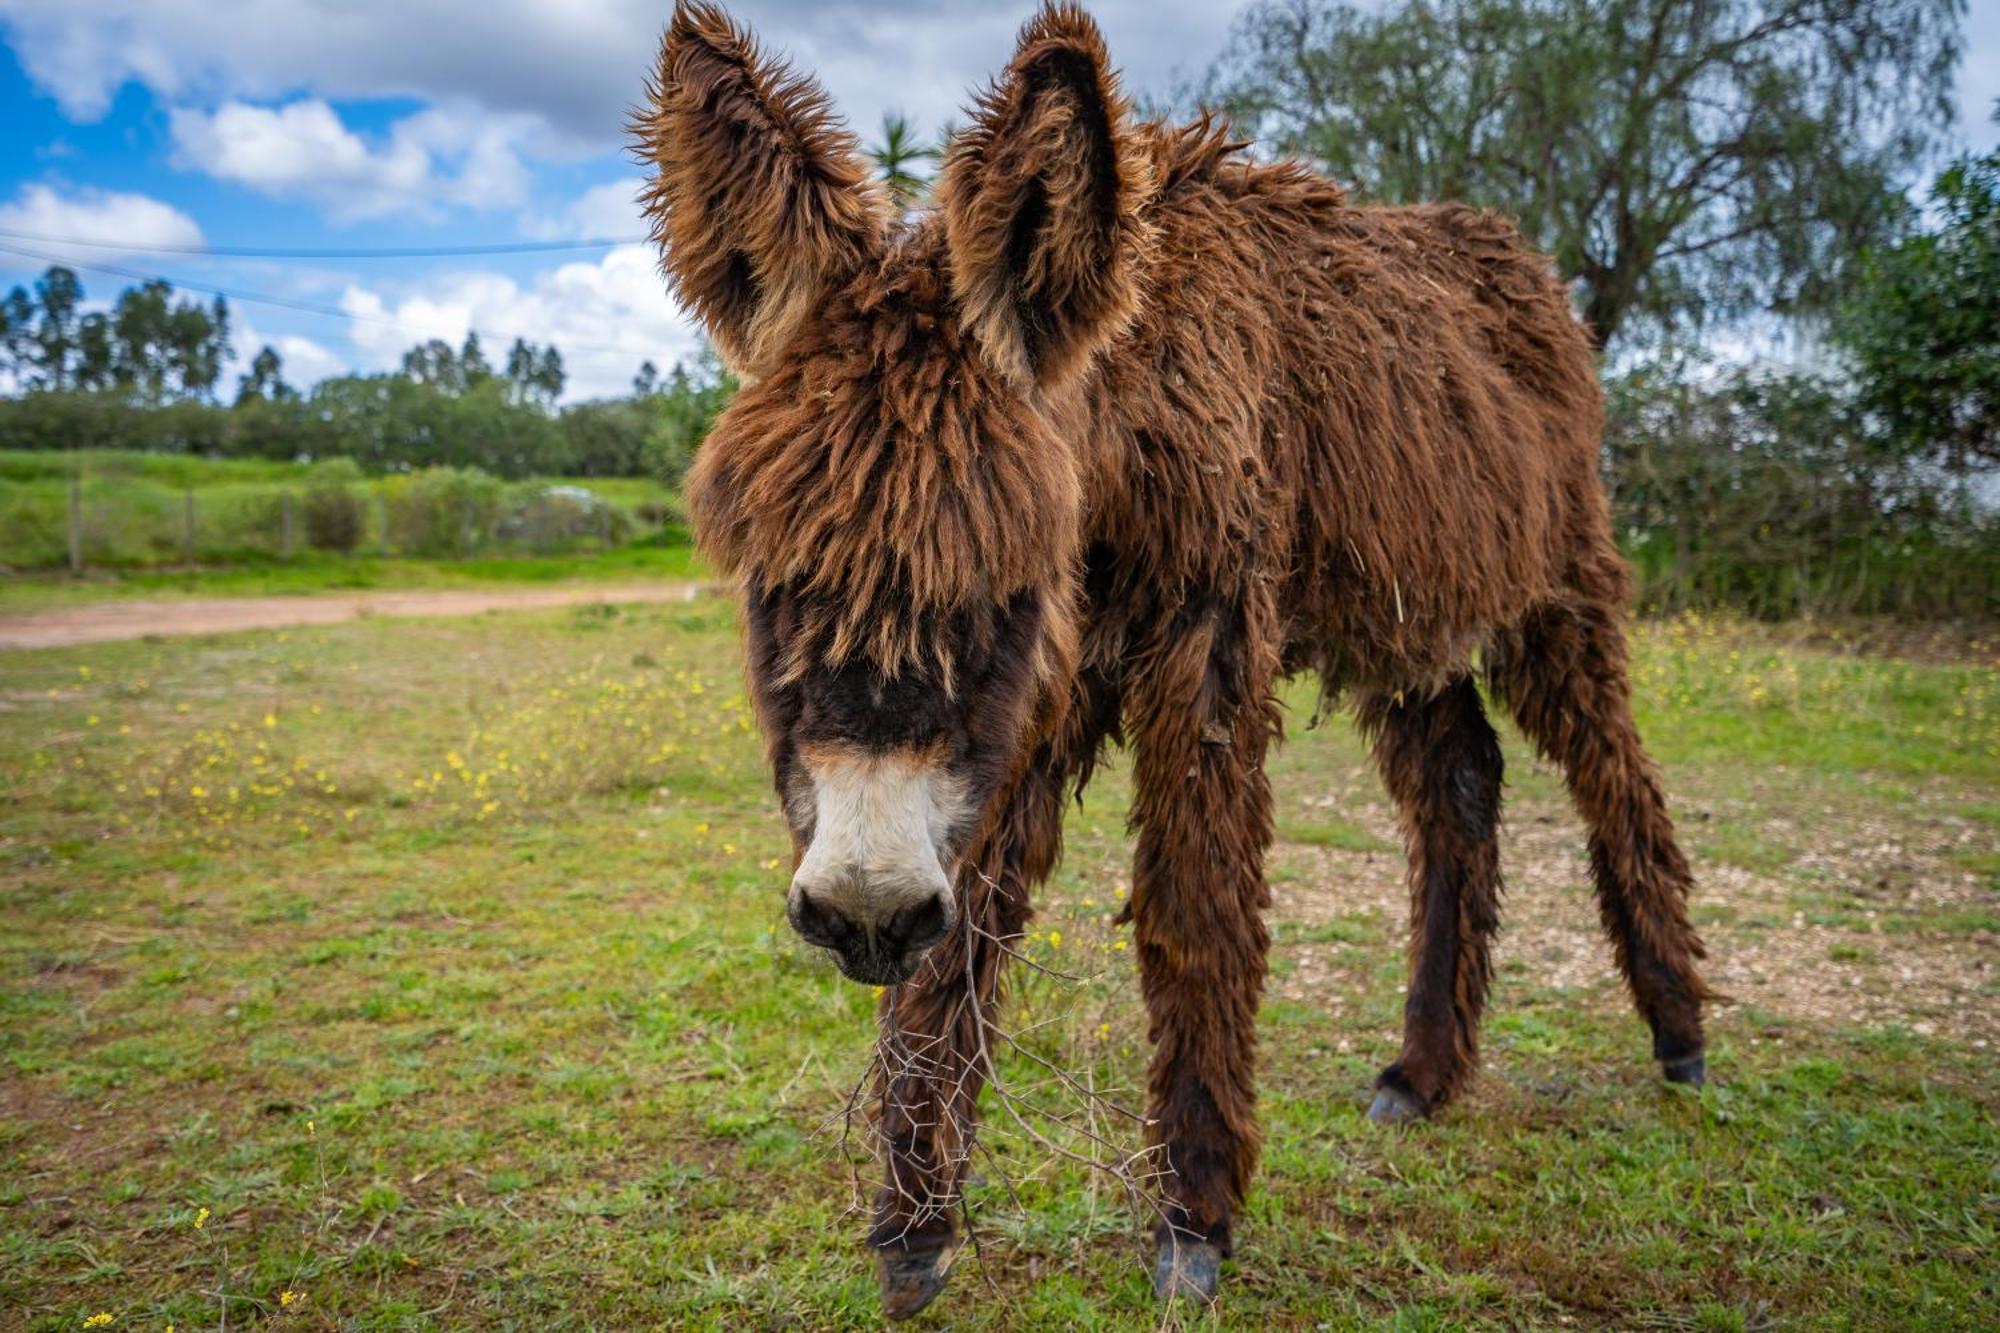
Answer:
(911, 1280)
(1187, 1270)
(1393, 1106)
(1689, 1069)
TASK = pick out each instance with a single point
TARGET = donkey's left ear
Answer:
(759, 197)
(1041, 198)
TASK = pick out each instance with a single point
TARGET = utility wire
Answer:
(285, 302)
(389, 252)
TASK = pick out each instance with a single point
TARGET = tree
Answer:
(141, 334)
(1923, 330)
(549, 376)
(695, 393)
(58, 295)
(266, 380)
(1681, 159)
(199, 346)
(434, 363)
(17, 335)
(472, 360)
(521, 363)
(96, 361)
(534, 375)
(647, 382)
(161, 349)
(895, 156)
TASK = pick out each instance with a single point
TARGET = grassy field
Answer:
(434, 975)
(135, 511)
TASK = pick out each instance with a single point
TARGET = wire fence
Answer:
(108, 518)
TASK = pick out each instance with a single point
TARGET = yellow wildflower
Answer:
(286, 1298)
(201, 1219)
(270, 719)
(102, 1317)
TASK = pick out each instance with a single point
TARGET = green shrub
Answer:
(444, 511)
(547, 517)
(334, 512)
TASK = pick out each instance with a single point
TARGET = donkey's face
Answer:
(885, 777)
(896, 485)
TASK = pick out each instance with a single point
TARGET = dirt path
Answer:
(106, 621)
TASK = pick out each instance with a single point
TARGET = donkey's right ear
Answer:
(759, 196)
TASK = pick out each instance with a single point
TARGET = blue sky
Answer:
(354, 123)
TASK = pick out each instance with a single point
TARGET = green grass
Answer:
(443, 964)
(1332, 832)
(316, 572)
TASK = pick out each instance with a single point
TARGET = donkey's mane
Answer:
(885, 476)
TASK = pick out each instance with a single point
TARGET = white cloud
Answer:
(133, 220)
(606, 316)
(444, 155)
(575, 65)
(610, 209)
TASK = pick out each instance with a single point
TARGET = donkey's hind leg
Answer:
(1564, 672)
(1441, 762)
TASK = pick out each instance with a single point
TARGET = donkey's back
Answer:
(1421, 402)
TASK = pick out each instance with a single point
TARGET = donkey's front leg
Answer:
(1202, 811)
(935, 1045)
(932, 1068)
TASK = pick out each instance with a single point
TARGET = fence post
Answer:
(75, 517)
(187, 525)
(285, 524)
(465, 527)
(382, 517)
(603, 524)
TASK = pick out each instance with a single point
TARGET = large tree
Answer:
(1681, 159)
(1923, 330)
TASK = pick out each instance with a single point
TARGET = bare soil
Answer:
(107, 621)
(1777, 965)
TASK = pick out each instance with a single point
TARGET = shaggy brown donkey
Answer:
(1122, 432)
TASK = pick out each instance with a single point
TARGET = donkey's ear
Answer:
(1041, 198)
(759, 197)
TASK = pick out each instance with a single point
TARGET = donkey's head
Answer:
(897, 484)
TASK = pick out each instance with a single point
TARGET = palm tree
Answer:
(894, 157)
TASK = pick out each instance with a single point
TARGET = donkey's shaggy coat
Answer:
(1123, 431)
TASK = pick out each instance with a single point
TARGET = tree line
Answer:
(147, 375)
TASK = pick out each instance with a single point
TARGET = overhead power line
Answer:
(378, 252)
(287, 303)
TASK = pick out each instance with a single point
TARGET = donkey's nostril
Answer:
(918, 926)
(817, 924)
